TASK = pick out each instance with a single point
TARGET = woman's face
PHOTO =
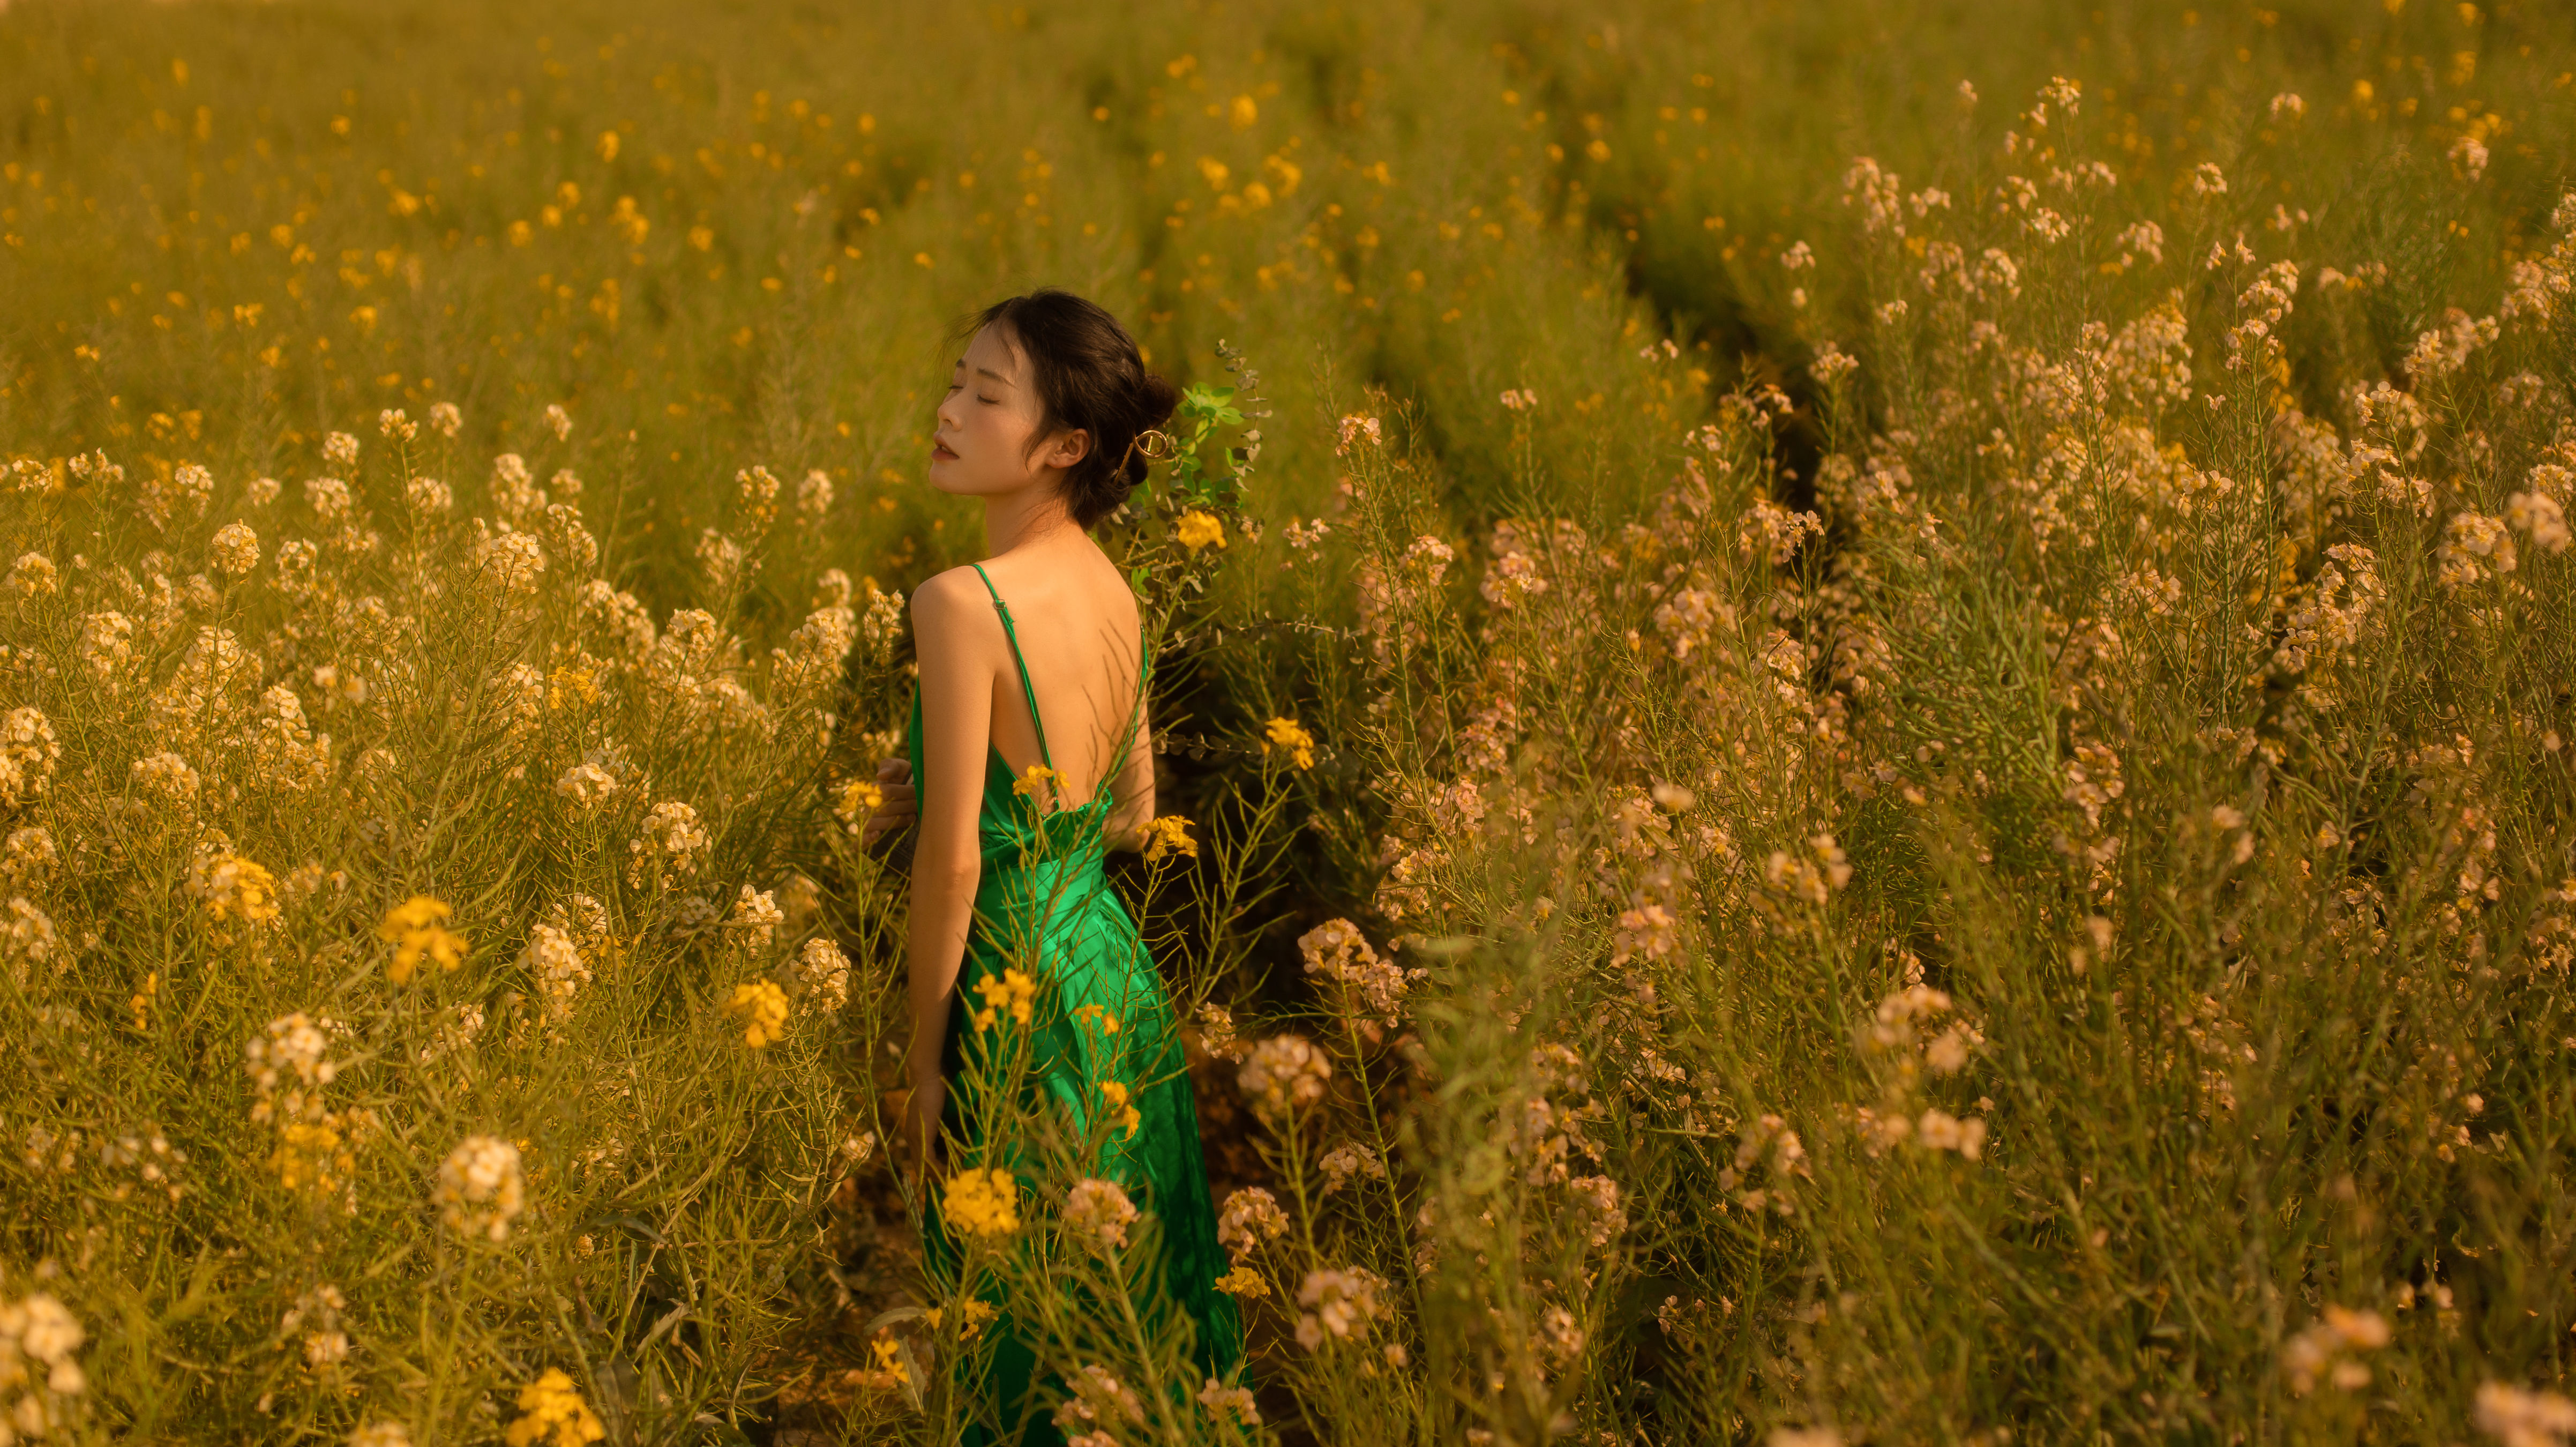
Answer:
(988, 443)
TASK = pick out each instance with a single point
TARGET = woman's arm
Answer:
(956, 719)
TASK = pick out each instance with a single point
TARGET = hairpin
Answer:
(1155, 443)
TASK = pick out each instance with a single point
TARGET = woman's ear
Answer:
(1069, 447)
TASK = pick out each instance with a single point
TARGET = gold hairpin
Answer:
(1156, 444)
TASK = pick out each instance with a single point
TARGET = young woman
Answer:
(1027, 760)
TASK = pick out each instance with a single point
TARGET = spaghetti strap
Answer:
(1022, 663)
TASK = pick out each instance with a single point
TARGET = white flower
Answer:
(195, 484)
(27, 938)
(557, 965)
(481, 1188)
(107, 647)
(33, 577)
(1250, 1217)
(814, 494)
(757, 916)
(234, 551)
(1099, 1212)
(38, 1335)
(586, 784)
(428, 496)
(27, 755)
(514, 489)
(671, 847)
(1340, 1304)
(29, 857)
(512, 562)
(1347, 1160)
(1098, 1401)
(1284, 1072)
(822, 974)
(1599, 1198)
(721, 556)
(329, 497)
(1219, 1398)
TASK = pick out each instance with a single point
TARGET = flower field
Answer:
(1866, 713)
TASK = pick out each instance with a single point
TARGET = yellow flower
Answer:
(859, 799)
(306, 1152)
(1011, 990)
(1169, 835)
(1099, 1015)
(764, 1007)
(1290, 737)
(982, 1203)
(233, 887)
(553, 1410)
(1198, 529)
(567, 686)
(971, 1316)
(889, 1355)
(141, 1003)
(413, 928)
(1243, 1281)
(1034, 778)
(1120, 1112)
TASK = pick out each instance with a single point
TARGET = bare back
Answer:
(1078, 635)
(1076, 624)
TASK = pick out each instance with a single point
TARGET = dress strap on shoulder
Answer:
(1020, 661)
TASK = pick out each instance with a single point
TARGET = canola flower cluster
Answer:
(981, 1202)
(553, 1414)
(273, 707)
(481, 1188)
(763, 1007)
(41, 1381)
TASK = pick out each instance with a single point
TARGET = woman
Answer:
(1027, 760)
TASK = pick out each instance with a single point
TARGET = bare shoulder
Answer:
(949, 601)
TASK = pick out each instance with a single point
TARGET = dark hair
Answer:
(1090, 376)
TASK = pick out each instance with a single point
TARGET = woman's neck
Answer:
(1020, 519)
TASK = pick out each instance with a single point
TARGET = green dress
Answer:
(1044, 905)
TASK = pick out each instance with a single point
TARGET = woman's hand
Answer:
(898, 807)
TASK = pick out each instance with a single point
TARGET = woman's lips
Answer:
(939, 452)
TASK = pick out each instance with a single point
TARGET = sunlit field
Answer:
(1870, 710)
